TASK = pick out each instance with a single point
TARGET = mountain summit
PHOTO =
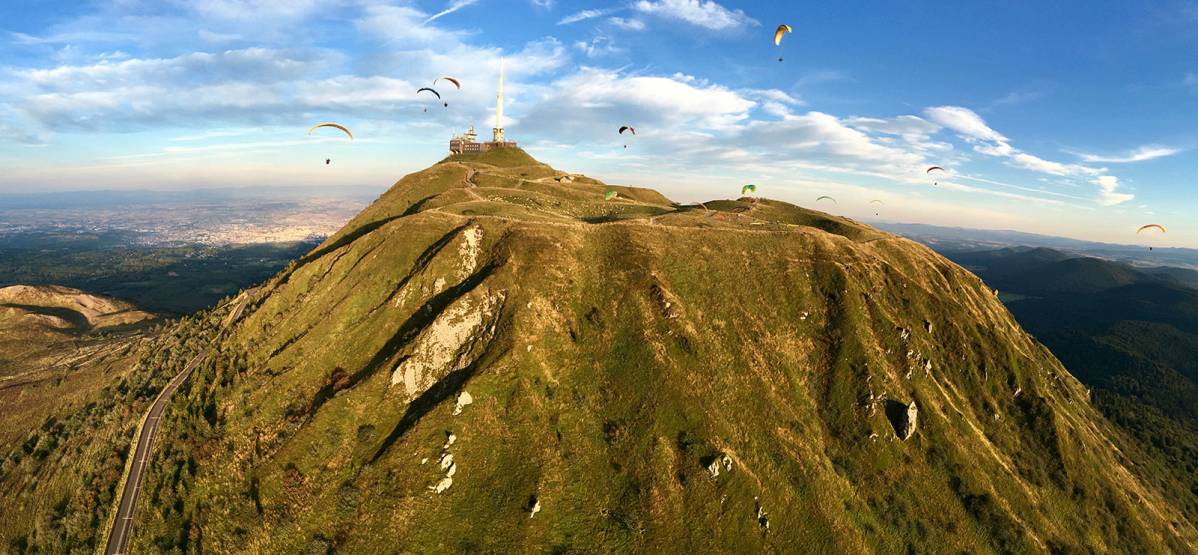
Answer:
(491, 357)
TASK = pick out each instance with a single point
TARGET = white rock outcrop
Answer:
(464, 398)
(909, 423)
(447, 343)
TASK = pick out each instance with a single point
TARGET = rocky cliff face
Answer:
(638, 376)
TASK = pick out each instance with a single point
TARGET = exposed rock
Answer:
(446, 461)
(713, 469)
(902, 418)
(453, 469)
(449, 439)
(927, 326)
(911, 420)
(534, 506)
(727, 463)
(464, 398)
(447, 344)
(442, 485)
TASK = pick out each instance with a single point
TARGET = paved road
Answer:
(122, 527)
(118, 540)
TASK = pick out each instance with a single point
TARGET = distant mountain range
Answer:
(947, 239)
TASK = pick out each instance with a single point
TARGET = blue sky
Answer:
(1067, 118)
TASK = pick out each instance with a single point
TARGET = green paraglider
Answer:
(610, 195)
(750, 188)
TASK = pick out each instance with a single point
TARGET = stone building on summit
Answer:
(468, 141)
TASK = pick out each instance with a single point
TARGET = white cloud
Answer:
(453, 7)
(600, 45)
(70, 37)
(1107, 185)
(255, 10)
(703, 13)
(630, 24)
(973, 129)
(1147, 152)
(965, 122)
(580, 103)
(582, 16)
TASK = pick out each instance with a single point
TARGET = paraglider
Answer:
(876, 201)
(629, 129)
(782, 30)
(435, 93)
(1155, 227)
(826, 197)
(457, 85)
(932, 169)
(750, 188)
(337, 126)
(610, 195)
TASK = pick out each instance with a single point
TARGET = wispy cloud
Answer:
(973, 129)
(1014, 97)
(600, 45)
(453, 7)
(703, 13)
(629, 24)
(1146, 152)
(583, 16)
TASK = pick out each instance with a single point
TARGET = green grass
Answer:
(617, 357)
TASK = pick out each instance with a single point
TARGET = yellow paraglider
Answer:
(342, 128)
(778, 34)
(782, 30)
(334, 126)
(1156, 227)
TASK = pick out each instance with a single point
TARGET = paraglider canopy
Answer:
(628, 128)
(1157, 227)
(780, 32)
(934, 168)
(333, 125)
(825, 197)
(610, 195)
(455, 82)
(876, 201)
(750, 188)
(422, 89)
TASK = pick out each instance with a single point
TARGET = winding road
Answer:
(122, 525)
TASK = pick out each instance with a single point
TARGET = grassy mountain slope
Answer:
(67, 360)
(613, 354)
(1135, 344)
